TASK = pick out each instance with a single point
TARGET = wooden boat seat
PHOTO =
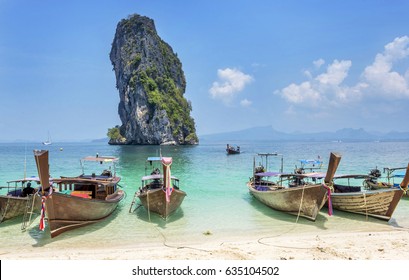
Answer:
(346, 189)
(83, 194)
(15, 193)
(262, 188)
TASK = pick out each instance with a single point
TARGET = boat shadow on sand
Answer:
(16, 221)
(43, 238)
(320, 221)
(155, 218)
(362, 218)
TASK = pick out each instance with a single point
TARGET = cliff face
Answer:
(151, 85)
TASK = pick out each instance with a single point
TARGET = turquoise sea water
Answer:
(217, 206)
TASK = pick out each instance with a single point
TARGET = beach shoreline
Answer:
(219, 219)
(385, 244)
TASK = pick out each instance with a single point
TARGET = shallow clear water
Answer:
(217, 206)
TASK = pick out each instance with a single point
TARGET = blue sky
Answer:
(295, 65)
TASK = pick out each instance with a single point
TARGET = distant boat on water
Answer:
(48, 141)
(232, 150)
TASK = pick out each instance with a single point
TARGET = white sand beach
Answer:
(364, 249)
(392, 244)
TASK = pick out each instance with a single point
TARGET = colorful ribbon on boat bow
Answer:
(329, 199)
(42, 214)
(167, 162)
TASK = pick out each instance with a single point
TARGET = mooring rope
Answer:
(178, 247)
(149, 212)
(366, 207)
(3, 214)
(291, 229)
(299, 209)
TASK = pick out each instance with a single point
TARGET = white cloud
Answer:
(322, 90)
(304, 92)
(379, 75)
(326, 94)
(378, 79)
(336, 73)
(245, 103)
(318, 63)
(321, 96)
(231, 82)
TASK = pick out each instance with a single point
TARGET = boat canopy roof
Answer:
(352, 176)
(157, 158)
(98, 158)
(269, 154)
(268, 174)
(156, 177)
(399, 175)
(317, 175)
(79, 180)
(311, 161)
(27, 179)
(153, 159)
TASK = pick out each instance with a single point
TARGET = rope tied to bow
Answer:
(329, 199)
(42, 214)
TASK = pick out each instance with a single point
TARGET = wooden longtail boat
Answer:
(303, 199)
(74, 202)
(160, 193)
(19, 198)
(232, 150)
(378, 203)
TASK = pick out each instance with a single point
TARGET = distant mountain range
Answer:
(269, 133)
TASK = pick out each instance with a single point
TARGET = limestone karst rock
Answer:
(151, 86)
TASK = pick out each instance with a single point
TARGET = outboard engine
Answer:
(375, 173)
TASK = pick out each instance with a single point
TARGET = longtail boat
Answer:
(379, 203)
(19, 198)
(230, 150)
(69, 203)
(298, 196)
(160, 192)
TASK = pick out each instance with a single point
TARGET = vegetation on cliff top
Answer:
(114, 134)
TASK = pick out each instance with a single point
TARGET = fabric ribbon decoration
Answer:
(42, 214)
(167, 162)
(329, 199)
